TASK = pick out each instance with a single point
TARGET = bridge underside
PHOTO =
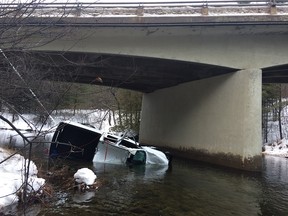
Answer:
(129, 72)
(275, 74)
(141, 74)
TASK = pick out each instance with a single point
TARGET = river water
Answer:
(187, 188)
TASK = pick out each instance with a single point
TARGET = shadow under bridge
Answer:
(141, 74)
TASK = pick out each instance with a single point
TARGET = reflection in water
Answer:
(143, 172)
(275, 186)
(80, 197)
(201, 190)
(186, 189)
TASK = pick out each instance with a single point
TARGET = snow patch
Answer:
(278, 148)
(85, 175)
(13, 175)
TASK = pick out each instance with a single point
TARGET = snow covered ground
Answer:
(275, 146)
(13, 175)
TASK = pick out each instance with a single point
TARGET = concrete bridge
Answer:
(200, 67)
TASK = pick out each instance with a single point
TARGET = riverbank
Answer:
(15, 177)
(13, 171)
(277, 148)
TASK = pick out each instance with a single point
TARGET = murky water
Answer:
(188, 188)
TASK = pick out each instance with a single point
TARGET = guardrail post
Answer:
(273, 9)
(78, 10)
(140, 11)
(204, 10)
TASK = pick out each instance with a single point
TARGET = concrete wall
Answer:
(216, 120)
(256, 46)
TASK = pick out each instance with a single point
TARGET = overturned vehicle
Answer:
(117, 150)
(74, 141)
(77, 141)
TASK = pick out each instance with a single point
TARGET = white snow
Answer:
(85, 175)
(96, 118)
(275, 145)
(277, 148)
(12, 177)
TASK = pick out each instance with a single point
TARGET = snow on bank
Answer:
(13, 175)
(279, 148)
(96, 118)
(276, 146)
(12, 171)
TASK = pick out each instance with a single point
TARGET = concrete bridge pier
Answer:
(215, 120)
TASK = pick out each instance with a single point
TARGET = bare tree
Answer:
(21, 20)
(22, 87)
(24, 25)
(21, 23)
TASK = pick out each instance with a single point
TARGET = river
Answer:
(187, 188)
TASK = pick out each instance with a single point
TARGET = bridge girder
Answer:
(129, 72)
(141, 74)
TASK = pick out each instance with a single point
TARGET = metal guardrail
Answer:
(139, 8)
(99, 4)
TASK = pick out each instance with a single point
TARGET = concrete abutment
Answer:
(216, 120)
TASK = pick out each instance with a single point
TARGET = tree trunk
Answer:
(265, 122)
(279, 114)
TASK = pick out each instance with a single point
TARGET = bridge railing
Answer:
(97, 8)
(123, 4)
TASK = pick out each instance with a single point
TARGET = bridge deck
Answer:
(142, 73)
